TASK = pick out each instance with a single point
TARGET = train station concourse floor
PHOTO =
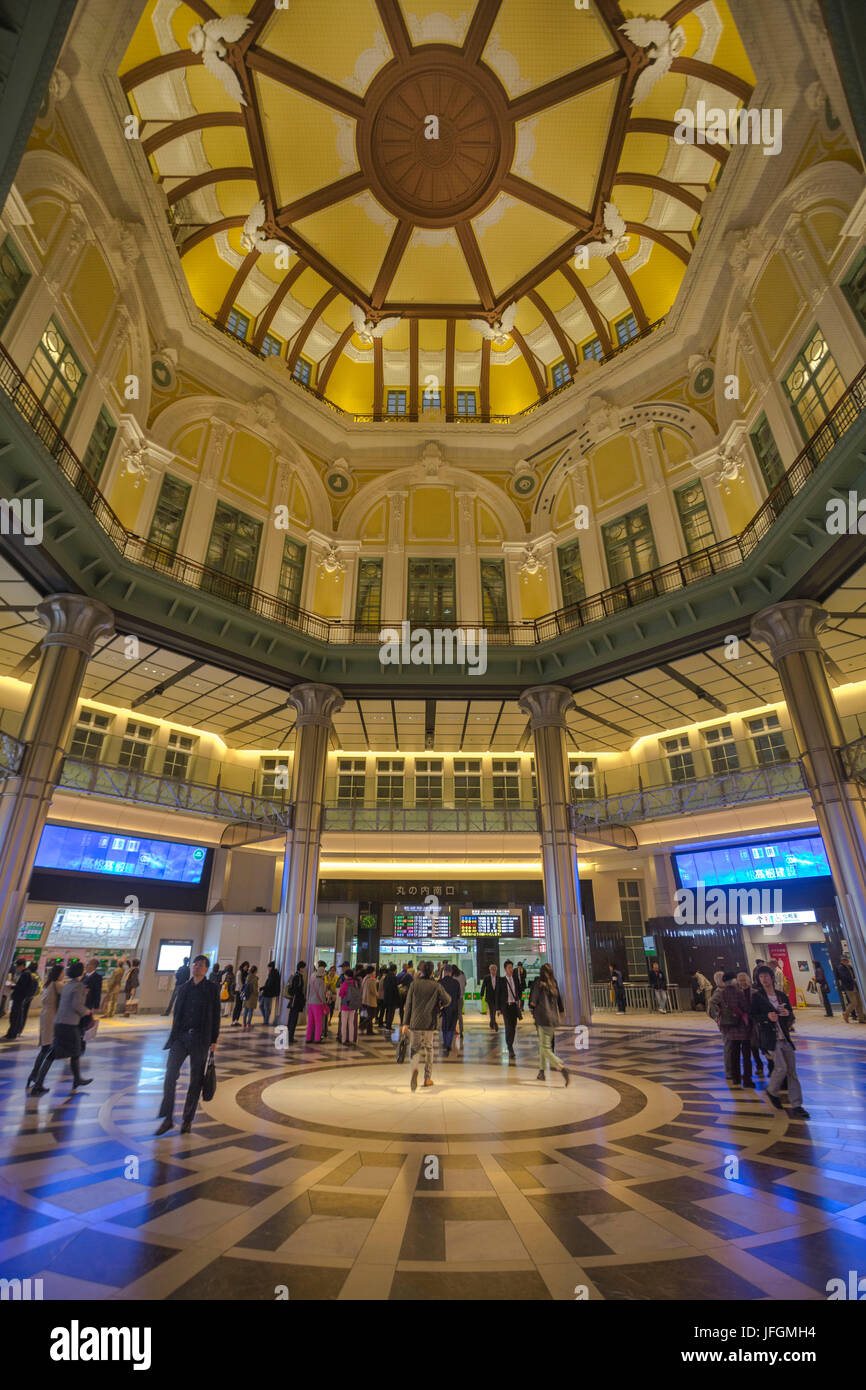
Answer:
(318, 1172)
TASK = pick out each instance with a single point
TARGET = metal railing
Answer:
(638, 998)
(701, 794)
(11, 753)
(124, 784)
(462, 820)
(663, 580)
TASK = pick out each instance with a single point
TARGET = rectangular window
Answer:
(467, 782)
(582, 773)
(506, 782)
(629, 546)
(592, 348)
(681, 762)
(292, 572)
(136, 745)
(432, 592)
(854, 289)
(232, 553)
(169, 514)
(178, 756)
(99, 445)
(466, 403)
(813, 384)
(272, 347)
(55, 374)
(630, 908)
(351, 776)
(89, 735)
(560, 374)
(625, 329)
(769, 459)
(695, 520)
(275, 778)
(303, 371)
(368, 600)
(238, 324)
(431, 400)
(13, 279)
(389, 782)
(428, 781)
(494, 602)
(768, 740)
(396, 403)
(571, 573)
(722, 749)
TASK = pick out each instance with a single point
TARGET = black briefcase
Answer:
(208, 1085)
(402, 1047)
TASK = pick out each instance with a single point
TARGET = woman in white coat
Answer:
(54, 983)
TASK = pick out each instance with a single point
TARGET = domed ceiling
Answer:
(389, 195)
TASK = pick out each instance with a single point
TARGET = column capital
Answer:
(788, 627)
(74, 620)
(546, 705)
(316, 704)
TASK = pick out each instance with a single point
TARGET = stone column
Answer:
(295, 936)
(75, 623)
(667, 531)
(394, 567)
(567, 948)
(591, 557)
(791, 630)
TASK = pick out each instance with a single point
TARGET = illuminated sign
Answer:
(537, 923)
(90, 927)
(126, 856)
(416, 921)
(770, 862)
(396, 946)
(494, 921)
(30, 931)
(775, 919)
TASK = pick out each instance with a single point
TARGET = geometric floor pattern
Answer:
(317, 1174)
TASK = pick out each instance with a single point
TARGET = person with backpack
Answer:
(350, 1003)
(425, 999)
(251, 996)
(546, 1004)
(451, 1013)
(848, 982)
(270, 992)
(380, 996)
(317, 1005)
(130, 987)
(296, 993)
(771, 1010)
(66, 1037)
(50, 999)
(735, 1026)
(404, 981)
(369, 1000)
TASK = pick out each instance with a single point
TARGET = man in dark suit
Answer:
(511, 1004)
(181, 975)
(92, 982)
(194, 1032)
(22, 991)
(491, 993)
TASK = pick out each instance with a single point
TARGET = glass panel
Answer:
(238, 323)
(694, 517)
(168, 517)
(292, 572)
(629, 546)
(592, 349)
(98, 448)
(13, 279)
(232, 553)
(813, 384)
(560, 373)
(855, 289)
(55, 374)
(432, 592)
(368, 601)
(494, 602)
(571, 573)
(466, 403)
(396, 403)
(766, 452)
(626, 329)
(303, 371)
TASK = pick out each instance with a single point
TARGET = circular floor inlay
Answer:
(377, 1099)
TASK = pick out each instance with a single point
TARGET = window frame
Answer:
(303, 371)
(620, 323)
(461, 400)
(55, 374)
(400, 396)
(698, 543)
(812, 384)
(233, 320)
(563, 370)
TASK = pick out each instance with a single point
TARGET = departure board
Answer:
(493, 921)
(415, 921)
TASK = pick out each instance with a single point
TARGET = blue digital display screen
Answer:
(767, 862)
(125, 856)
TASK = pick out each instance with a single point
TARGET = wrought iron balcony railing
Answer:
(701, 794)
(124, 784)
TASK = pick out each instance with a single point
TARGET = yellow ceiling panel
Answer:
(350, 239)
(594, 273)
(665, 98)
(145, 45)
(338, 314)
(348, 50)
(431, 335)
(437, 21)
(309, 288)
(224, 147)
(535, 41)
(516, 240)
(208, 276)
(397, 339)
(730, 53)
(581, 123)
(528, 317)
(207, 93)
(633, 201)
(643, 154)
(658, 282)
(183, 19)
(556, 291)
(301, 138)
(236, 197)
(465, 338)
(428, 274)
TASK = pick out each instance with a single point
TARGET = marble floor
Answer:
(317, 1174)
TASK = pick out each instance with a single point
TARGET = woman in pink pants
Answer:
(317, 1005)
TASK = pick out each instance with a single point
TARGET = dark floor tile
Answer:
(699, 1278)
(815, 1259)
(677, 1190)
(105, 1259)
(521, 1286)
(15, 1220)
(346, 1203)
(248, 1280)
(561, 1212)
(278, 1227)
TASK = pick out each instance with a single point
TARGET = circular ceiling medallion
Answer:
(436, 142)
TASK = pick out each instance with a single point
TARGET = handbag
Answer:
(208, 1085)
(402, 1047)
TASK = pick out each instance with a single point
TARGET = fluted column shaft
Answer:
(297, 918)
(74, 624)
(791, 630)
(567, 949)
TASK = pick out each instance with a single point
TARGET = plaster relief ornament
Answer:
(331, 562)
(498, 333)
(662, 43)
(210, 39)
(367, 329)
(531, 565)
(732, 467)
(615, 239)
(253, 237)
(135, 466)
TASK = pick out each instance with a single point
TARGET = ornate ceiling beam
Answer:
(183, 190)
(641, 229)
(261, 12)
(333, 358)
(631, 293)
(450, 354)
(240, 275)
(474, 259)
(614, 18)
(599, 322)
(546, 202)
(720, 77)
(307, 83)
(306, 329)
(323, 267)
(650, 125)
(255, 132)
(388, 268)
(479, 30)
(175, 130)
(321, 198)
(615, 139)
(155, 67)
(569, 85)
(540, 272)
(378, 378)
(555, 328)
(202, 9)
(673, 190)
(225, 224)
(485, 376)
(532, 361)
(267, 315)
(394, 25)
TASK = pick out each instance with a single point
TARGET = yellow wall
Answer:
(776, 303)
(614, 469)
